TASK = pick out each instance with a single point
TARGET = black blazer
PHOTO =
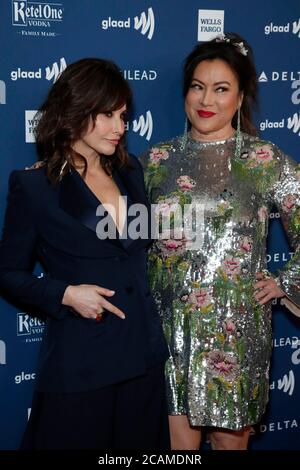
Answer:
(57, 226)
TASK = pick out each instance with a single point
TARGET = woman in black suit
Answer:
(100, 377)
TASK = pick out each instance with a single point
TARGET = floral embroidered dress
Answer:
(219, 336)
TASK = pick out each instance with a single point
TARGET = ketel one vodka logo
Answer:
(41, 14)
(27, 325)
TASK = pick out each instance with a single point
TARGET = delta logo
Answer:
(279, 76)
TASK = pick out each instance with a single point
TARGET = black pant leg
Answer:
(71, 420)
(141, 413)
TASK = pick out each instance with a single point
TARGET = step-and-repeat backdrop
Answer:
(148, 40)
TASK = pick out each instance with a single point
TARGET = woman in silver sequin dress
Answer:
(214, 295)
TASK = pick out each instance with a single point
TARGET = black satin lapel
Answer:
(132, 179)
(77, 200)
(131, 183)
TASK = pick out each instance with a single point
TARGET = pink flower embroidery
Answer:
(166, 206)
(229, 326)
(262, 155)
(246, 244)
(157, 154)
(289, 202)
(186, 183)
(171, 246)
(200, 298)
(223, 364)
(231, 265)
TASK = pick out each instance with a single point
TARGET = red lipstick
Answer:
(205, 114)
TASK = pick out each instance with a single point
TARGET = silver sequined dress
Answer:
(219, 336)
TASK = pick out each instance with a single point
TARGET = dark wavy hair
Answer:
(242, 65)
(83, 90)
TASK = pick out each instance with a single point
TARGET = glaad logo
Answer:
(296, 28)
(31, 120)
(144, 23)
(19, 73)
(26, 13)
(210, 24)
(2, 92)
(293, 123)
(56, 70)
(144, 126)
(24, 376)
(50, 73)
(271, 124)
(286, 384)
(2, 352)
(293, 27)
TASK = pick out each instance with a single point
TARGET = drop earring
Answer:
(238, 136)
(184, 136)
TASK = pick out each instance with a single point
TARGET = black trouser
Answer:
(128, 415)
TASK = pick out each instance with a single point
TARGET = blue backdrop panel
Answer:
(149, 40)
